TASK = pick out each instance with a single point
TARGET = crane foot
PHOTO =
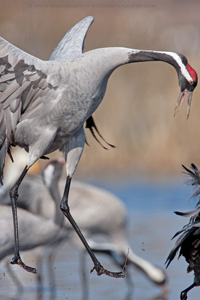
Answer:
(17, 261)
(183, 295)
(100, 270)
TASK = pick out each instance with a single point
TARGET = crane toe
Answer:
(183, 295)
(100, 270)
(16, 260)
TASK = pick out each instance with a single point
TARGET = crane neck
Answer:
(106, 60)
(178, 61)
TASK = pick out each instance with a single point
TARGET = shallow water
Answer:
(151, 225)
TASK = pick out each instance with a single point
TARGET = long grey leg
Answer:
(13, 197)
(66, 210)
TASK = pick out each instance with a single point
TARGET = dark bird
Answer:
(44, 105)
(188, 243)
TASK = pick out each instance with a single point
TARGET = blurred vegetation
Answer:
(137, 112)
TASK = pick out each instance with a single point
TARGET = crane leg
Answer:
(13, 197)
(184, 293)
(66, 210)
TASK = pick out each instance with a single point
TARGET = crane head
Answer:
(187, 85)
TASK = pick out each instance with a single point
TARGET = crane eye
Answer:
(191, 82)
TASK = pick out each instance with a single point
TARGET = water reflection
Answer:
(150, 235)
(50, 284)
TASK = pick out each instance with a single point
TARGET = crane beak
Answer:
(189, 103)
(181, 100)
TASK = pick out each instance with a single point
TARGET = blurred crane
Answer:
(188, 243)
(29, 224)
(30, 231)
(44, 105)
(101, 209)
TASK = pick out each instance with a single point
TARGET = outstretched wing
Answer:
(25, 81)
(72, 44)
(70, 47)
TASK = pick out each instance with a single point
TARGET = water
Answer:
(151, 225)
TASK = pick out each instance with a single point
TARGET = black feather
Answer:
(90, 124)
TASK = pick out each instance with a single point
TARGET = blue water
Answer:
(151, 225)
(152, 196)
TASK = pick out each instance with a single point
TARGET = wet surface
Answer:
(150, 228)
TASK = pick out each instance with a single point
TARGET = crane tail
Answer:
(90, 124)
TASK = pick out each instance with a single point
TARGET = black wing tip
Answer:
(179, 213)
(187, 170)
(167, 263)
(90, 124)
(169, 260)
(44, 157)
(192, 166)
(194, 174)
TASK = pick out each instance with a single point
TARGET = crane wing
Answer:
(70, 47)
(25, 81)
(72, 44)
(177, 246)
(192, 228)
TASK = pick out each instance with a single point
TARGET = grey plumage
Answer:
(101, 209)
(44, 104)
(45, 91)
(30, 231)
(70, 47)
(72, 44)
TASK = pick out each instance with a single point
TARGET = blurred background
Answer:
(136, 115)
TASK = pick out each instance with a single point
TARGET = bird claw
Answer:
(183, 295)
(100, 270)
(17, 261)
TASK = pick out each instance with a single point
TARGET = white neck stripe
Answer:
(177, 58)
